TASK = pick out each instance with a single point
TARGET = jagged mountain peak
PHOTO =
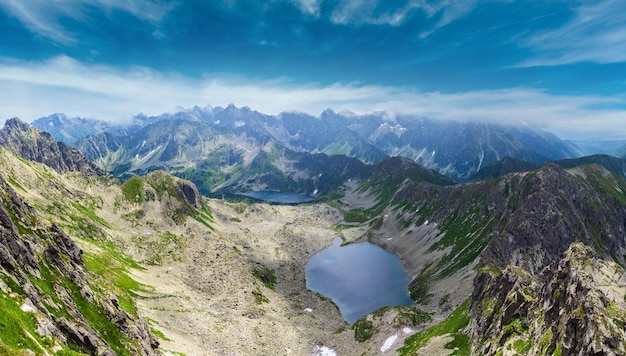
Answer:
(32, 144)
(17, 124)
(511, 165)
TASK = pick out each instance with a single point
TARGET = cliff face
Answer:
(545, 250)
(34, 145)
(49, 301)
(574, 307)
(551, 208)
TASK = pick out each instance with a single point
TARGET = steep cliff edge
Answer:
(576, 306)
(49, 301)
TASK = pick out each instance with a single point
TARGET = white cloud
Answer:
(596, 33)
(309, 7)
(42, 16)
(32, 90)
(369, 12)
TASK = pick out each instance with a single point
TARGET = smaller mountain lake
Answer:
(360, 278)
(279, 197)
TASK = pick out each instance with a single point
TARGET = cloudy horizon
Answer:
(551, 65)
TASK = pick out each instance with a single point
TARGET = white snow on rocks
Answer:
(388, 343)
(323, 351)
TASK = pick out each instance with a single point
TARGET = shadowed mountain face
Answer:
(511, 165)
(456, 149)
(545, 242)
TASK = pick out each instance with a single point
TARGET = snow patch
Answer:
(323, 351)
(407, 330)
(308, 310)
(388, 343)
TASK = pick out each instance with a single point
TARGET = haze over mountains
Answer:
(231, 139)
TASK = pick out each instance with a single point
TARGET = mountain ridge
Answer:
(39, 146)
(457, 149)
(510, 165)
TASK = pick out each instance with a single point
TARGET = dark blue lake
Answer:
(279, 197)
(360, 278)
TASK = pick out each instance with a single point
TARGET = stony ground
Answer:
(209, 302)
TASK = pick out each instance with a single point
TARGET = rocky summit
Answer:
(526, 262)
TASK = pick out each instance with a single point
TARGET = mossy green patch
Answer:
(14, 183)
(522, 347)
(356, 215)
(115, 272)
(460, 344)
(91, 215)
(265, 275)
(17, 328)
(259, 297)
(410, 316)
(133, 190)
(364, 329)
(456, 321)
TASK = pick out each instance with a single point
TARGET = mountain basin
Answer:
(360, 278)
(279, 197)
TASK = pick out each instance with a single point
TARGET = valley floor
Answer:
(209, 303)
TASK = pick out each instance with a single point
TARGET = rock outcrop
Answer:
(42, 269)
(575, 306)
(34, 145)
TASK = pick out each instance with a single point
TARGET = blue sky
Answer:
(559, 65)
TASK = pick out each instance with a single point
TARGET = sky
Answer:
(554, 64)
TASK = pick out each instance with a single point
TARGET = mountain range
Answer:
(528, 258)
(181, 140)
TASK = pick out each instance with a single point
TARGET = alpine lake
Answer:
(360, 278)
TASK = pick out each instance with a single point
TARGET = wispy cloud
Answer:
(376, 12)
(32, 90)
(43, 16)
(308, 7)
(596, 33)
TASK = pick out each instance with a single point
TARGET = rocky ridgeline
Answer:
(551, 242)
(551, 208)
(34, 145)
(43, 274)
(574, 307)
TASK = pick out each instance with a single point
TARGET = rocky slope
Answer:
(537, 245)
(575, 306)
(34, 145)
(50, 301)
